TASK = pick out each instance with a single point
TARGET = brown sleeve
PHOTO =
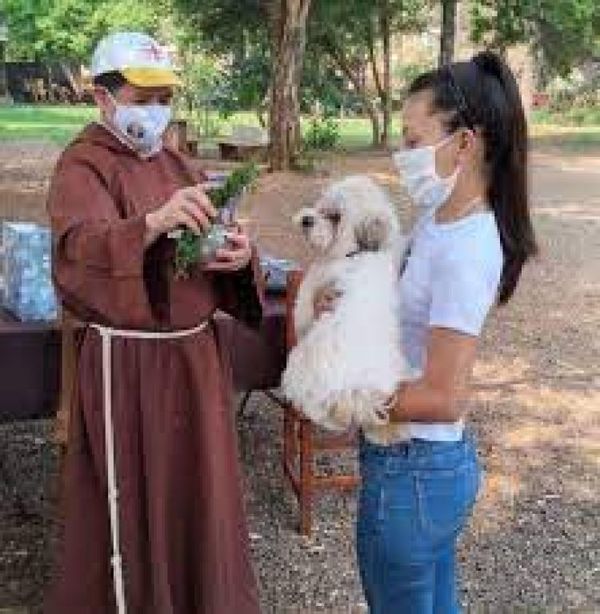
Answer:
(241, 293)
(98, 257)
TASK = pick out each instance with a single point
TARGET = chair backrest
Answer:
(294, 279)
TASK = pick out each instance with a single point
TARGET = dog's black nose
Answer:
(308, 221)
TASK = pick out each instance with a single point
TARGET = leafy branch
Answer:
(192, 248)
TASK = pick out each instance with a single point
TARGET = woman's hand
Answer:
(392, 406)
(325, 299)
(189, 208)
(235, 256)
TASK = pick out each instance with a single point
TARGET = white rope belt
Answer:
(107, 334)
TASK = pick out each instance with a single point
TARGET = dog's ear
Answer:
(371, 234)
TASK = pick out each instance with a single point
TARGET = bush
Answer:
(322, 134)
(578, 91)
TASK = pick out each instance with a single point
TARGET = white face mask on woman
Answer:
(143, 125)
(417, 167)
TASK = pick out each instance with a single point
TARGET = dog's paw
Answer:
(373, 415)
(339, 417)
(373, 419)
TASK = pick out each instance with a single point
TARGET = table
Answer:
(30, 360)
(29, 368)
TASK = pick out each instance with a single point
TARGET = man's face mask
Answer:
(417, 167)
(142, 124)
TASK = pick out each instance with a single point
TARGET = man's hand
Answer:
(325, 299)
(189, 207)
(235, 256)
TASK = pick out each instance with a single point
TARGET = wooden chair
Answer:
(302, 444)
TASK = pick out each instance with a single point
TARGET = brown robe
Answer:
(183, 533)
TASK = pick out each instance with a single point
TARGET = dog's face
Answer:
(352, 215)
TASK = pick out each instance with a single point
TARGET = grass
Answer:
(577, 129)
(55, 123)
(355, 133)
(576, 116)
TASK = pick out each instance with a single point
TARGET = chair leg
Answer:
(307, 468)
(288, 434)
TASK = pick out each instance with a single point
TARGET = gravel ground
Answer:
(534, 542)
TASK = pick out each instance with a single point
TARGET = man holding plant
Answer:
(153, 512)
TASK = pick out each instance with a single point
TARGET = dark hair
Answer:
(113, 81)
(483, 93)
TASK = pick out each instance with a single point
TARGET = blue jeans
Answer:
(414, 501)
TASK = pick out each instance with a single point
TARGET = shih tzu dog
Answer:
(348, 362)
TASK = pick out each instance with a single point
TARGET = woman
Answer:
(465, 166)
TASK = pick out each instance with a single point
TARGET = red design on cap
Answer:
(153, 52)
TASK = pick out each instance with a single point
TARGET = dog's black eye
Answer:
(333, 216)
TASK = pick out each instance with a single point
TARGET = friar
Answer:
(153, 516)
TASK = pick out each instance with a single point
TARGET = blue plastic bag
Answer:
(276, 271)
(26, 263)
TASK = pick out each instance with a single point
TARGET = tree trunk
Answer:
(3, 77)
(371, 111)
(261, 118)
(370, 107)
(288, 36)
(448, 35)
(386, 102)
(68, 73)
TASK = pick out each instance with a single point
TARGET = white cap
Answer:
(138, 57)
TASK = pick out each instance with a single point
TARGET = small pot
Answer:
(212, 240)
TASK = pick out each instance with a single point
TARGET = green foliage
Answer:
(325, 87)
(322, 134)
(69, 29)
(244, 83)
(349, 35)
(239, 180)
(235, 31)
(564, 31)
(195, 98)
(224, 26)
(190, 247)
(354, 21)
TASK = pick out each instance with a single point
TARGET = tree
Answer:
(448, 33)
(356, 36)
(564, 32)
(68, 30)
(245, 33)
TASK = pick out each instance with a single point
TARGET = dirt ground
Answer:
(534, 542)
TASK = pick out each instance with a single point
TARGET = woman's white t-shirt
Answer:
(451, 281)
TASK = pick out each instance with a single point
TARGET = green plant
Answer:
(192, 248)
(322, 134)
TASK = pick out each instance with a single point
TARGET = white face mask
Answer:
(417, 167)
(143, 125)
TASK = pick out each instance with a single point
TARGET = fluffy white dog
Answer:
(348, 362)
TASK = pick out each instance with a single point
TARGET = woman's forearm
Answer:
(419, 401)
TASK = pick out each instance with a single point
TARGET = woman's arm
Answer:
(437, 395)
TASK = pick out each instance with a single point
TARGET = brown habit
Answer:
(183, 533)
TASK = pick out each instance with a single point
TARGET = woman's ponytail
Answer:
(505, 133)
